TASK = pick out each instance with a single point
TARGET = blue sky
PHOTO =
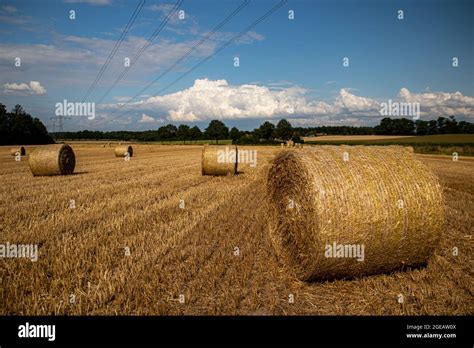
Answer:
(288, 68)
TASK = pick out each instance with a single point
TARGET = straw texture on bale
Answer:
(379, 198)
(20, 149)
(219, 160)
(56, 159)
(121, 151)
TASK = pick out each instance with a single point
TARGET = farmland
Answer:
(336, 138)
(442, 144)
(153, 236)
(440, 139)
(164, 142)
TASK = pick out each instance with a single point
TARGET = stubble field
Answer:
(152, 236)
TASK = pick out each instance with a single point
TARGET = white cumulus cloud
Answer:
(347, 102)
(217, 99)
(36, 87)
(208, 99)
(440, 103)
(147, 119)
(33, 88)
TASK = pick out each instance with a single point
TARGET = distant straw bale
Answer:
(122, 150)
(18, 150)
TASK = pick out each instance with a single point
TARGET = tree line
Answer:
(282, 131)
(403, 126)
(215, 131)
(18, 127)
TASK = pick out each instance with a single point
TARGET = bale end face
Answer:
(291, 213)
(219, 160)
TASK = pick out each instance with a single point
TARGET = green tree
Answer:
(18, 127)
(433, 127)
(385, 127)
(18, 110)
(442, 125)
(216, 130)
(266, 131)
(195, 133)
(172, 130)
(421, 127)
(167, 132)
(403, 126)
(283, 130)
(451, 125)
(466, 127)
(4, 125)
(234, 134)
(183, 132)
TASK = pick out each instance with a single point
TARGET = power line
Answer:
(191, 49)
(140, 51)
(238, 36)
(143, 48)
(229, 42)
(112, 53)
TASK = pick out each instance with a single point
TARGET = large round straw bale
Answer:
(18, 150)
(122, 150)
(56, 159)
(219, 160)
(329, 203)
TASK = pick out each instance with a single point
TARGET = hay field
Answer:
(183, 258)
(355, 137)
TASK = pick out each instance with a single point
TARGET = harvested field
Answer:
(355, 137)
(145, 231)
